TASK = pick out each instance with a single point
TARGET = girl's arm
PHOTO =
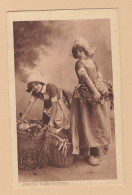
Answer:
(96, 94)
(83, 74)
(28, 108)
(52, 92)
(99, 74)
(53, 114)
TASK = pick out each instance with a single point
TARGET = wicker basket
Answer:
(28, 150)
(59, 160)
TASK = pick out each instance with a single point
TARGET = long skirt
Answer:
(90, 125)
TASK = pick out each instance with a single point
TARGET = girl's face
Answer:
(81, 53)
(37, 87)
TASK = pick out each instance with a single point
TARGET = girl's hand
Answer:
(50, 124)
(96, 96)
(20, 121)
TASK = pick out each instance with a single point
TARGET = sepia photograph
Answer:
(64, 77)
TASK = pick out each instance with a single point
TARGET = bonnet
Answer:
(32, 76)
(35, 75)
(84, 43)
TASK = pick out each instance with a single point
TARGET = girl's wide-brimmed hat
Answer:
(83, 43)
(35, 75)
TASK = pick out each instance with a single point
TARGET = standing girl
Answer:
(56, 105)
(90, 122)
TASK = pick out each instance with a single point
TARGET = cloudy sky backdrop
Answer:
(52, 42)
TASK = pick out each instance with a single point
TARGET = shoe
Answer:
(93, 161)
(96, 151)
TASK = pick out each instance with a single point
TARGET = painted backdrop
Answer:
(46, 46)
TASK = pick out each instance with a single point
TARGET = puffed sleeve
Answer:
(80, 70)
(96, 66)
(52, 90)
(99, 74)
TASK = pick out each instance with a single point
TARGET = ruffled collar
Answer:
(43, 89)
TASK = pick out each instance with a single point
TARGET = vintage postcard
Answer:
(64, 95)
